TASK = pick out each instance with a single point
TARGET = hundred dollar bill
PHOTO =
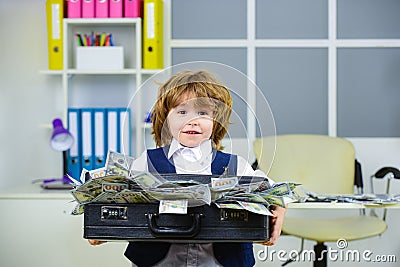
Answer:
(132, 196)
(293, 185)
(119, 199)
(82, 197)
(173, 206)
(92, 188)
(246, 197)
(255, 208)
(105, 197)
(233, 206)
(97, 173)
(114, 187)
(262, 186)
(147, 180)
(78, 209)
(195, 194)
(279, 189)
(219, 184)
(117, 163)
(112, 179)
(274, 200)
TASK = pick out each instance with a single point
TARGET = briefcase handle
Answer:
(158, 231)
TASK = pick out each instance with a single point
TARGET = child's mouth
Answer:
(191, 132)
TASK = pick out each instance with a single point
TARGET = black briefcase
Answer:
(142, 222)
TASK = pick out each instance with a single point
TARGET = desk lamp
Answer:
(61, 140)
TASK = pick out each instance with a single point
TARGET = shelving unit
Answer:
(126, 32)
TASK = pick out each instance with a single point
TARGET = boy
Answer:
(190, 118)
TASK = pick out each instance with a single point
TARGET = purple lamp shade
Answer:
(61, 139)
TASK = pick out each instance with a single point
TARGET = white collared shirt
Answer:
(183, 157)
(193, 160)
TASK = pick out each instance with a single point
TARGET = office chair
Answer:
(388, 174)
(324, 165)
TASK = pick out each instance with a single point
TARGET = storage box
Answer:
(100, 57)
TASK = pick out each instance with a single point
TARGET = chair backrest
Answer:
(321, 163)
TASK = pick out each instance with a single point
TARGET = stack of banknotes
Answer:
(115, 183)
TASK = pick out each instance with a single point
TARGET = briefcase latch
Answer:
(234, 215)
(114, 213)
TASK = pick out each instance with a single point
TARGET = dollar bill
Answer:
(112, 179)
(78, 209)
(219, 184)
(118, 163)
(195, 194)
(262, 186)
(82, 197)
(246, 197)
(91, 188)
(173, 206)
(274, 200)
(147, 180)
(279, 189)
(132, 196)
(97, 173)
(293, 185)
(105, 197)
(255, 208)
(114, 187)
(233, 206)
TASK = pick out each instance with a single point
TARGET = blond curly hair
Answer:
(206, 89)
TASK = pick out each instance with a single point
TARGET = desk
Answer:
(37, 230)
(339, 205)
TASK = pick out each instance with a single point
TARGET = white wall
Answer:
(28, 99)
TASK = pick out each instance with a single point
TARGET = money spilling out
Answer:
(119, 204)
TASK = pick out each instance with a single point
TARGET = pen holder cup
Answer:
(100, 58)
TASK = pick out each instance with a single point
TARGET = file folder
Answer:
(101, 8)
(54, 16)
(73, 154)
(87, 138)
(74, 8)
(88, 8)
(125, 131)
(132, 8)
(113, 142)
(153, 54)
(100, 140)
(115, 8)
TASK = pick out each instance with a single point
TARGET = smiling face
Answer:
(191, 122)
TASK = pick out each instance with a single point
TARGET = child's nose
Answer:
(193, 121)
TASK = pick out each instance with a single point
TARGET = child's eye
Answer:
(182, 112)
(203, 113)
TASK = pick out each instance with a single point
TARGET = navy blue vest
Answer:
(145, 254)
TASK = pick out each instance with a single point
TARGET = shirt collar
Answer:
(199, 151)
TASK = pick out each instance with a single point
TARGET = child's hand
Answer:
(96, 242)
(276, 227)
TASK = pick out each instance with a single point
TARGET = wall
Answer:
(28, 99)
